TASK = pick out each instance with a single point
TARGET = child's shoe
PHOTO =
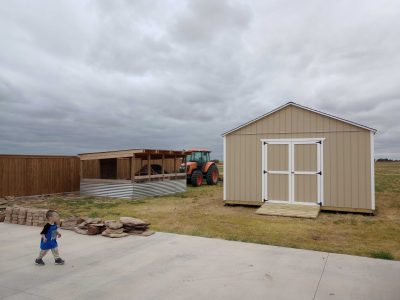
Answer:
(59, 261)
(39, 262)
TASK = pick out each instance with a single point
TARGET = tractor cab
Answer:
(199, 167)
(199, 157)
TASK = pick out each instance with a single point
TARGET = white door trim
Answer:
(291, 172)
(224, 164)
(372, 136)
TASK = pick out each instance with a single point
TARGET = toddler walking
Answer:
(49, 239)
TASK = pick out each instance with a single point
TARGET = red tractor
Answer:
(200, 167)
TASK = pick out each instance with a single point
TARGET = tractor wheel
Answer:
(212, 175)
(197, 178)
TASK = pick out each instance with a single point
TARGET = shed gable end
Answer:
(294, 119)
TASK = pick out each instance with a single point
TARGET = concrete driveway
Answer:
(170, 266)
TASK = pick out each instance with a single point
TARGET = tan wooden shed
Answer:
(298, 155)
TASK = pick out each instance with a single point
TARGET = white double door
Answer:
(292, 171)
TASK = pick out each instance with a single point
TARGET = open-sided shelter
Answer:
(133, 173)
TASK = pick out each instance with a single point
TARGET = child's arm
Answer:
(44, 231)
(44, 238)
(58, 234)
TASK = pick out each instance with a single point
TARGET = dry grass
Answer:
(200, 211)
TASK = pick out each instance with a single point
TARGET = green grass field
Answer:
(200, 211)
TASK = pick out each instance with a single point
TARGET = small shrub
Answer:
(382, 255)
(93, 214)
(232, 237)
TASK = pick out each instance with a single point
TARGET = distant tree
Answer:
(386, 160)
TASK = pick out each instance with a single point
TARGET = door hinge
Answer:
(319, 173)
(319, 142)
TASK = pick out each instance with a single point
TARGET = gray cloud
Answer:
(79, 76)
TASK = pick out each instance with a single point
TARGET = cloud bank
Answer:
(81, 76)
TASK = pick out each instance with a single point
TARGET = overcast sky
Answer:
(81, 76)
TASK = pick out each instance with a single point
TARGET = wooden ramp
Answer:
(289, 210)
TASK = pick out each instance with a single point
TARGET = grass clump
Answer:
(382, 255)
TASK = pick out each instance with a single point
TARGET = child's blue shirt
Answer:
(50, 232)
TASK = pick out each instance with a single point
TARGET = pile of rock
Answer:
(134, 225)
(126, 226)
(114, 229)
(25, 216)
(90, 226)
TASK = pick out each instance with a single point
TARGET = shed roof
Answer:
(129, 153)
(302, 107)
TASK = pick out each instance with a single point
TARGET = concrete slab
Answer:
(170, 266)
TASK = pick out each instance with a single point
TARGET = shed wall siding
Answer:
(347, 156)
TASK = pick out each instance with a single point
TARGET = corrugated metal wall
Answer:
(347, 156)
(136, 190)
(24, 175)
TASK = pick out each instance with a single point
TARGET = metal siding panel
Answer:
(354, 167)
(347, 175)
(367, 162)
(136, 190)
(121, 190)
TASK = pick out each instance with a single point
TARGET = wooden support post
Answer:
(133, 168)
(148, 167)
(81, 169)
(185, 158)
(175, 170)
(162, 165)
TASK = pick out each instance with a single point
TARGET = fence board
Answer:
(24, 175)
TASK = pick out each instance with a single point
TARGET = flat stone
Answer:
(132, 221)
(114, 225)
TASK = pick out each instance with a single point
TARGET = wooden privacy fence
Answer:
(24, 175)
